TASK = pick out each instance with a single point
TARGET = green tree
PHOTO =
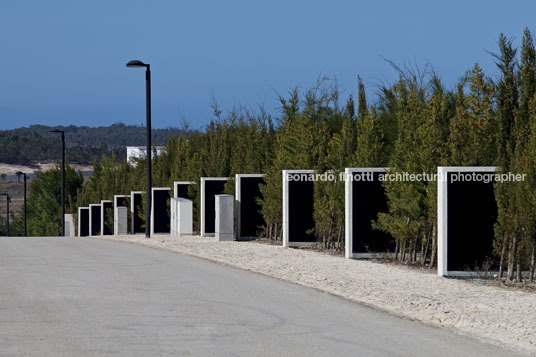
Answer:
(473, 128)
(506, 235)
(362, 109)
(521, 225)
(406, 200)
(44, 200)
(370, 143)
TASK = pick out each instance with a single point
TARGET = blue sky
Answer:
(63, 62)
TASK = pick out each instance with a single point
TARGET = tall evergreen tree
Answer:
(362, 97)
(523, 193)
(507, 106)
(507, 98)
(472, 130)
(369, 151)
(406, 216)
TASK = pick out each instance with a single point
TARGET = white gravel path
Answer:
(501, 316)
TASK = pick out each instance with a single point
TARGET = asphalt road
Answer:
(72, 297)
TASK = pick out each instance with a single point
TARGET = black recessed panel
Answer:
(369, 199)
(95, 219)
(122, 201)
(472, 212)
(212, 188)
(251, 218)
(84, 223)
(108, 214)
(182, 190)
(161, 217)
(136, 214)
(300, 211)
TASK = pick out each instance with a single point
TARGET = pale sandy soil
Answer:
(496, 315)
(10, 169)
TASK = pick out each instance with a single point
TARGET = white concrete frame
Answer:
(79, 225)
(442, 216)
(238, 201)
(175, 183)
(286, 222)
(153, 189)
(202, 210)
(348, 208)
(132, 193)
(91, 218)
(102, 215)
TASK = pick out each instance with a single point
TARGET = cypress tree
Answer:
(472, 130)
(362, 98)
(405, 219)
(507, 99)
(523, 193)
(507, 105)
(350, 107)
(369, 150)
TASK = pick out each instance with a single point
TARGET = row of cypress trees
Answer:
(416, 125)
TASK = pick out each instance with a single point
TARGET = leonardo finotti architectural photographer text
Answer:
(485, 177)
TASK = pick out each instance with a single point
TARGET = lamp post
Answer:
(18, 174)
(62, 179)
(140, 64)
(7, 214)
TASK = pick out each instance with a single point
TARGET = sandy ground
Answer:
(496, 315)
(10, 169)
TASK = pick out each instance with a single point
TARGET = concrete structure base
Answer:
(224, 217)
(181, 217)
(120, 220)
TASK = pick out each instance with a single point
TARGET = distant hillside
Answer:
(25, 146)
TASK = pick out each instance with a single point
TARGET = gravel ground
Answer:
(497, 315)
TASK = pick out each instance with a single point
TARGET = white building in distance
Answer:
(135, 152)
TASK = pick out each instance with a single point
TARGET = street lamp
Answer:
(140, 64)
(62, 179)
(7, 214)
(18, 174)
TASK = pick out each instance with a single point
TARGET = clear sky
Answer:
(63, 62)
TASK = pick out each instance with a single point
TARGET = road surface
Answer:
(65, 296)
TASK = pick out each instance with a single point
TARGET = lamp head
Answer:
(136, 64)
(56, 131)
